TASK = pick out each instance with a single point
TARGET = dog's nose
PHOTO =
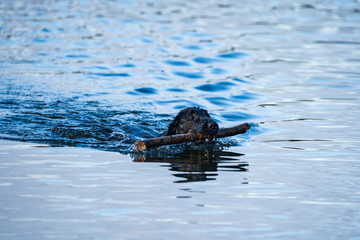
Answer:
(212, 125)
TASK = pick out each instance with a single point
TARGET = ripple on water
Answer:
(128, 65)
(216, 87)
(77, 56)
(233, 55)
(236, 116)
(177, 63)
(38, 40)
(193, 47)
(97, 67)
(192, 75)
(245, 96)
(178, 103)
(175, 90)
(46, 30)
(205, 60)
(110, 74)
(219, 101)
(239, 80)
(146, 90)
(218, 71)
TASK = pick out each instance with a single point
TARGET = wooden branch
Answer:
(188, 137)
(227, 132)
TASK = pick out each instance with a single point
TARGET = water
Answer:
(102, 74)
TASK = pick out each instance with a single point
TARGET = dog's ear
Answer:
(174, 125)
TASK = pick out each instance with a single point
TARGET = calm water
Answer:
(102, 74)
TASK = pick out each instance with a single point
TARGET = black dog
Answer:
(193, 119)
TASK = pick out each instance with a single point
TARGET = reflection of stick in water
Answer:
(188, 137)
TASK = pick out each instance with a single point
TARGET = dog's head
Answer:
(193, 119)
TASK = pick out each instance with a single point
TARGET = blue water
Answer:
(102, 74)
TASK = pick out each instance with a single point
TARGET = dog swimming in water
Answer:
(193, 119)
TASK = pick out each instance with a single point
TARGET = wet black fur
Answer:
(192, 119)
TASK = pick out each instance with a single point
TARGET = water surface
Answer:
(102, 74)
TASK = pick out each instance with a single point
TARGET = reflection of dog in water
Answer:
(193, 119)
(198, 165)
